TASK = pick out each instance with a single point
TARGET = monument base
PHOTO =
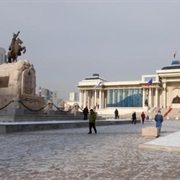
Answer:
(150, 132)
(18, 99)
(24, 115)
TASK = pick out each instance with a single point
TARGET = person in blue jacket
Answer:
(159, 119)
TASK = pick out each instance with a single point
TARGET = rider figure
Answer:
(13, 41)
(15, 48)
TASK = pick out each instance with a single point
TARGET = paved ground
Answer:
(72, 154)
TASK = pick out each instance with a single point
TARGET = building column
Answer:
(95, 96)
(143, 98)
(100, 98)
(85, 97)
(113, 100)
(157, 94)
(81, 98)
(88, 99)
(150, 97)
(164, 95)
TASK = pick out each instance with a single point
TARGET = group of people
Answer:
(92, 118)
(143, 116)
(158, 118)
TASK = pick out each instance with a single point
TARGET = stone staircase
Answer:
(126, 113)
(174, 114)
(20, 115)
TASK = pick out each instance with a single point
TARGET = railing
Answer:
(36, 110)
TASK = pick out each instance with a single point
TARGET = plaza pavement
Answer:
(72, 154)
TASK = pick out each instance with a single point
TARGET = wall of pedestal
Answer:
(18, 82)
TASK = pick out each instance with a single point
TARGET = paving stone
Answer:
(72, 154)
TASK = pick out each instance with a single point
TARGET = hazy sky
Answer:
(68, 41)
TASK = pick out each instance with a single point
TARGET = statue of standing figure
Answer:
(15, 48)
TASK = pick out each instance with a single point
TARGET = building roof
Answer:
(174, 65)
(95, 76)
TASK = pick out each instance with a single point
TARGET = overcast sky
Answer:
(68, 41)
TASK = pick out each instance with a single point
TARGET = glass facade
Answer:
(124, 98)
(146, 79)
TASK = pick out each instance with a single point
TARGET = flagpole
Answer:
(95, 93)
(175, 54)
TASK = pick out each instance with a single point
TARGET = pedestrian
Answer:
(159, 119)
(92, 120)
(116, 113)
(134, 118)
(85, 112)
(147, 117)
(143, 117)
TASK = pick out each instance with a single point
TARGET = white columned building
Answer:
(159, 90)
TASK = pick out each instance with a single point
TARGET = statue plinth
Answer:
(17, 87)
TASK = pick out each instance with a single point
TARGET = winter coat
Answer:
(143, 116)
(134, 116)
(92, 117)
(159, 119)
(85, 111)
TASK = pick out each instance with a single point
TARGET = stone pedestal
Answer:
(17, 89)
(150, 132)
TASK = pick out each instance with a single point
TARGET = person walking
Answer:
(159, 119)
(85, 112)
(116, 113)
(143, 117)
(92, 120)
(134, 118)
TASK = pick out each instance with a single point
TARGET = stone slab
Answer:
(11, 127)
(162, 148)
(150, 132)
(170, 142)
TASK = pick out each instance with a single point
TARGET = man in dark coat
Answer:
(116, 113)
(134, 118)
(92, 122)
(85, 112)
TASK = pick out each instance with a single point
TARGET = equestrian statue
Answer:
(15, 48)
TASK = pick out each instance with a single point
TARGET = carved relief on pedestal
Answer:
(28, 82)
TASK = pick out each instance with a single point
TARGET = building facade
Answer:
(160, 90)
(73, 96)
(2, 55)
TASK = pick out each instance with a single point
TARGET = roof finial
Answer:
(175, 54)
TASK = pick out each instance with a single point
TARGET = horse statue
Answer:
(15, 48)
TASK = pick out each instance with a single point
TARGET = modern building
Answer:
(73, 96)
(160, 90)
(45, 93)
(48, 95)
(55, 97)
(2, 55)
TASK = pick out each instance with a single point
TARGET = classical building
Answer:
(160, 90)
